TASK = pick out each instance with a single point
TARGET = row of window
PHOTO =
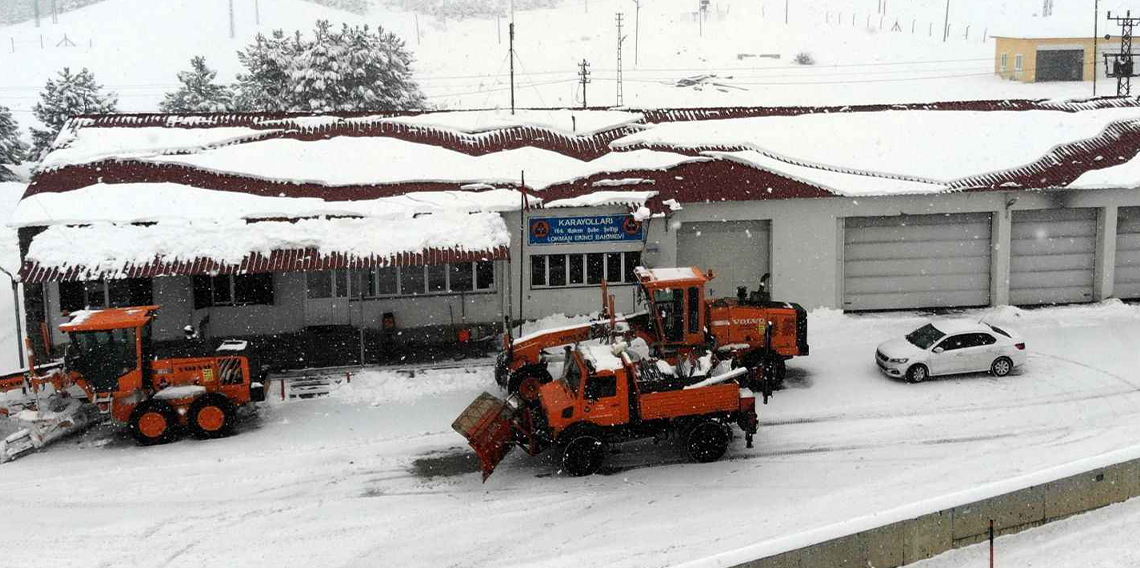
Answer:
(233, 290)
(97, 294)
(402, 281)
(1018, 62)
(583, 269)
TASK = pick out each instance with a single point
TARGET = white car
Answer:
(951, 347)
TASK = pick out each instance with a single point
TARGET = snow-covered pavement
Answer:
(373, 475)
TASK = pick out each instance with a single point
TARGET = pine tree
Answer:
(12, 149)
(346, 70)
(264, 86)
(198, 92)
(66, 96)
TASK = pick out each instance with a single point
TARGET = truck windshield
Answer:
(925, 336)
(103, 356)
(668, 304)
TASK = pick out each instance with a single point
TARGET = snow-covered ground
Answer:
(136, 47)
(373, 475)
(1105, 538)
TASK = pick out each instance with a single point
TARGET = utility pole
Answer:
(946, 23)
(55, 11)
(36, 8)
(785, 12)
(257, 12)
(700, 19)
(231, 19)
(511, 38)
(1122, 67)
(16, 303)
(584, 75)
(636, 31)
(621, 38)
(1096, 54)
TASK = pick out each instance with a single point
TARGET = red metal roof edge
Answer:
(288, 260)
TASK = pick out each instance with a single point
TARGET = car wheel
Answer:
(917, 373)
(1001, 366)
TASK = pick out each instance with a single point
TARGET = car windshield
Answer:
(1000, 330)
(925, 336)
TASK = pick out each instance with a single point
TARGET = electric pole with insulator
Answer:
(1120, 65)
(584, 77)
(946, 23)
(636, 31)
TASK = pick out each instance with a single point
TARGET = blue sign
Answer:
(593, 229)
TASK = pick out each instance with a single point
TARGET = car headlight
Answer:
(903, 360)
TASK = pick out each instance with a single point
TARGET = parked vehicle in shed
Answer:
(607, 395)
(949, 348)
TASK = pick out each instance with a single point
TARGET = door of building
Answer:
(1060, 65)
(326, 298)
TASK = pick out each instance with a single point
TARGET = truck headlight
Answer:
(902, 360)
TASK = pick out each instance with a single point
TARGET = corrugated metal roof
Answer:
(293, 260)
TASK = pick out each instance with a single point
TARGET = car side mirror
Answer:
(938, 349)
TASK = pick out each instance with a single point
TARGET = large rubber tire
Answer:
(917, 373)
(706, 441)
(527, 382)
(153, 422)
(211, 416)
(1001, 366)
(583, 456)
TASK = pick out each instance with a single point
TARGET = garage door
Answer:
(1060, 65)
(737, 251)
(916, 261)
(1126, 282)
(1052, 252)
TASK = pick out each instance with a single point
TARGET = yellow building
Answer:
(1059, 58)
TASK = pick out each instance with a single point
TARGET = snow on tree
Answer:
(354, 68)
(12, 149)
(265, 85)
(66, 96)
(198, 92)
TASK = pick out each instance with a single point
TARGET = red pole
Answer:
(991, 543)
(282, 389)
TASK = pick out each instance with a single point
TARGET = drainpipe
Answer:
(16, 304)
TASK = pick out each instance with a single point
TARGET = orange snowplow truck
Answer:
(678, 321)
(111, 358)
(607, 395)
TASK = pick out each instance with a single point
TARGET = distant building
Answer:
(1053, 49)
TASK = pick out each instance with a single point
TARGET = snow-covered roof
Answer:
(203, 173)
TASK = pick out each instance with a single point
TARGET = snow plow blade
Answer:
(487, 425)
(57, 418)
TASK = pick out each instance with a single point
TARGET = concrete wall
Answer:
(922, 537)
(1027, 48)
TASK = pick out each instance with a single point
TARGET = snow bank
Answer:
(136, 202)
(379, 160)
(603, 198)
(377, 386)
(937, 145)
(109, 249)
(571, 122)
(88, 144)
(851, 183)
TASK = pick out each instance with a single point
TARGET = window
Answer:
(589, 269)
(419, 280)
(1004, 62)
(246, 289)
(952, 343)
(97, 294)
(694, 310)
(1017, 62)
(599, 387)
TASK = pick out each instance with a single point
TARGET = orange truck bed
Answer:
(685, 402)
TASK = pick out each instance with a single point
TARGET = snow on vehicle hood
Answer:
(900, 348)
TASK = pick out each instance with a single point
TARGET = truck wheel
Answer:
(583, 456)
(153, 422)
(707, 442)
(528, 381)
(211, 416)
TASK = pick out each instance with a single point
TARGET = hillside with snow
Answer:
(742, 53)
